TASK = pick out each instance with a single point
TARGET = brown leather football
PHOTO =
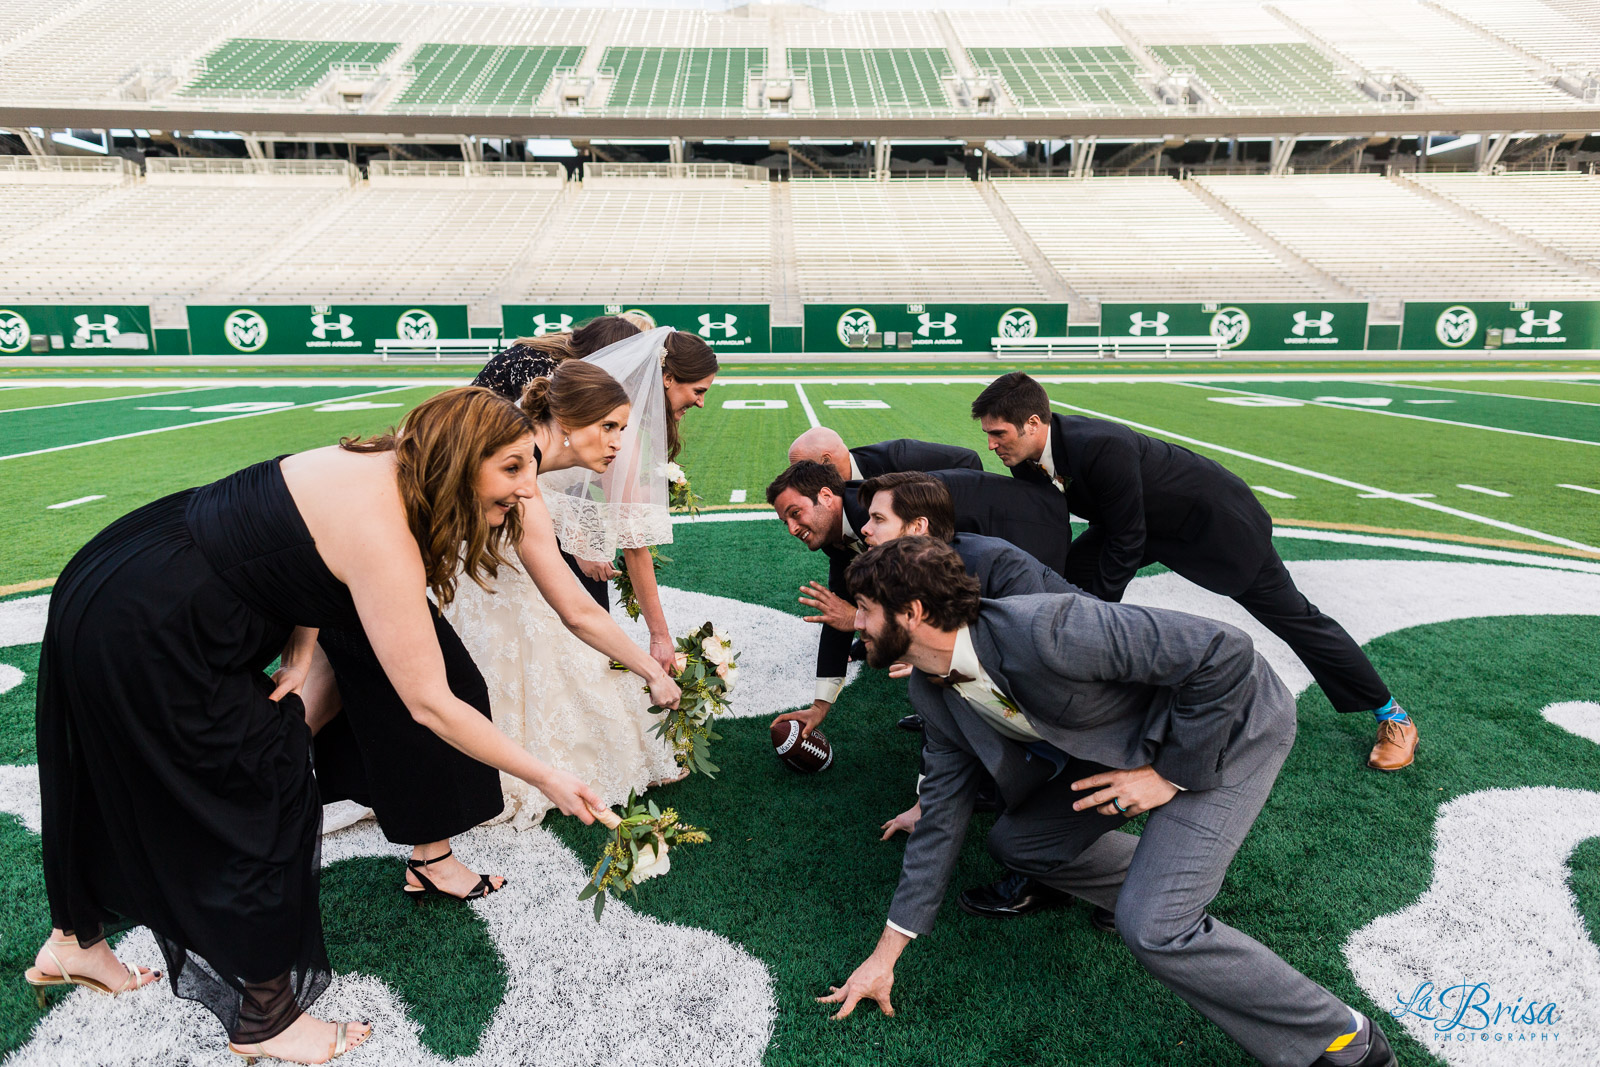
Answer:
(806, 755)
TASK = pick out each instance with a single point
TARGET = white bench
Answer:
(1105, 347)
(440, 350)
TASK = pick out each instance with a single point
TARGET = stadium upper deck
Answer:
(1125, 59)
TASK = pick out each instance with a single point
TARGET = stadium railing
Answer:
(1105, 347)
(68, 170)
(602, 171)
(183, 169)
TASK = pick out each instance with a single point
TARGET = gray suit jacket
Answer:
(1115, 684)
(1003, 569)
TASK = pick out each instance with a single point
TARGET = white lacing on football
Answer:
(826, 755)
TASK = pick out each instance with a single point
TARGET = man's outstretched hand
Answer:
(832, 609)
(872, 980)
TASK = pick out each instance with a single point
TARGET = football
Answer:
(806, 755)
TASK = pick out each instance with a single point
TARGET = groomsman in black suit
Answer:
(1149, 501)
(822, 445)
(822, 510)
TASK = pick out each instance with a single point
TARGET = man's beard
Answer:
(890, 645)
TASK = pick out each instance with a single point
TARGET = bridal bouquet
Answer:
(706, 670)
(679, 496)
(624, 582)
(641, 839)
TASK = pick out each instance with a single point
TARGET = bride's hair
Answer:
(586, 340)
(439, 451)
(688, 359)
(576, 395)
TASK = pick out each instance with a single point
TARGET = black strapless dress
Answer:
(175, 793)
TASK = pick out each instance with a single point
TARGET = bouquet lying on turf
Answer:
(679, 496)
(706, 670)
(624, 581)
(641, 838)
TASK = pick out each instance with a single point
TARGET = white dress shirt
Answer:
(1048, 462)
(828, 689)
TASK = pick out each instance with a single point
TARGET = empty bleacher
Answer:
(680, 79)
(1554, 36)
(873, 80)
(255, 66)
(914, 240)
(655, 239)
(1095, 78)
(1131, 238)
(1390, 243)
(481, 76)
(1559, 210)
(418, 233)
(35, 192)
(1453, 65)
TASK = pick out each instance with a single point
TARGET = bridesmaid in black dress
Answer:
(176, 778)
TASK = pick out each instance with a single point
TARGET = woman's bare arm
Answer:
(642, 573)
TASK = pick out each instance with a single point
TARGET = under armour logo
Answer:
(1141, 324)
(320, 325)
(543, 325)
(1323, 323)
(1552, 324)
(86, 334)
(725, 324)
(947, 324)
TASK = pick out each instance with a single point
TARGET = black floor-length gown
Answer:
(175, 793)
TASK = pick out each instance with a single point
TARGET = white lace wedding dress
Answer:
(556, 696)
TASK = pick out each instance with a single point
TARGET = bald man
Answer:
(823, 445)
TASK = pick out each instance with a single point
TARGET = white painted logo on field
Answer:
(1018, 322)
(947, 325)
(1457, 326)
(1323, 323)
(1551, 323)
(855, 325)
(543, 324)
(322, 322)
(245, 330)
(754, 405)
(414, 325)
(14, 331)
(709, 325)
(1157, 324)
(243, 407)
(1230, 326)
(354, 405)
(1358, 401)
(857, 405)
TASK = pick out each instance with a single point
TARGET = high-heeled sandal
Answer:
(42, 983)
(484, 887)
(340, 1046)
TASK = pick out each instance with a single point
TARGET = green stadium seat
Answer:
(1278, 75)
(695, 79)
(484, 77)
(873, 79)
(256, 66)
(1065, 79)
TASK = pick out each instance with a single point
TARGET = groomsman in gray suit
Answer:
(1088, 713)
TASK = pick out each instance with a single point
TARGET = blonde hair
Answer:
(439, 451)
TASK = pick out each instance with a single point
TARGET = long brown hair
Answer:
(439, 450)
(576, 395)
(586, 340)
(688, 359)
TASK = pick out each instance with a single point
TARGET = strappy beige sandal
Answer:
(340, 1046)
(42, 983)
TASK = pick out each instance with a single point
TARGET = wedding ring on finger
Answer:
(1116, 802)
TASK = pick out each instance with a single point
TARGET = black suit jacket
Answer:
(1152, 501)
(905, 454)
(1031, 517)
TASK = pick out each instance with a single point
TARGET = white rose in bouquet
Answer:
(653, 860)
(717, 650)
(730, 678)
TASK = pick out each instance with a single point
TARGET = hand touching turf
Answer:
(835, 610)
(872, 980)
(1138, 790)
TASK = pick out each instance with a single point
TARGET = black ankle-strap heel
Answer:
(484, 887)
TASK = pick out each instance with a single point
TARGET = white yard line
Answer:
(1392, 414)
(805, 402)
(1347, 483)
(74, 503)
(1481, 489)
(1279, 493)
(203, 422)
(1508, 396)
(124, 396)
(1579, 488)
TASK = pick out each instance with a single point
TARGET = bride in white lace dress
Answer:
(549, 691)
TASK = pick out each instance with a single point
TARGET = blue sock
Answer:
(1391, 712)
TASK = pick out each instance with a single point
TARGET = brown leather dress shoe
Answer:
(1396, 747)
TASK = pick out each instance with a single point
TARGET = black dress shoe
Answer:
(912, 722)
(1379, 1054)
(1104, 919)
(1015, 894)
